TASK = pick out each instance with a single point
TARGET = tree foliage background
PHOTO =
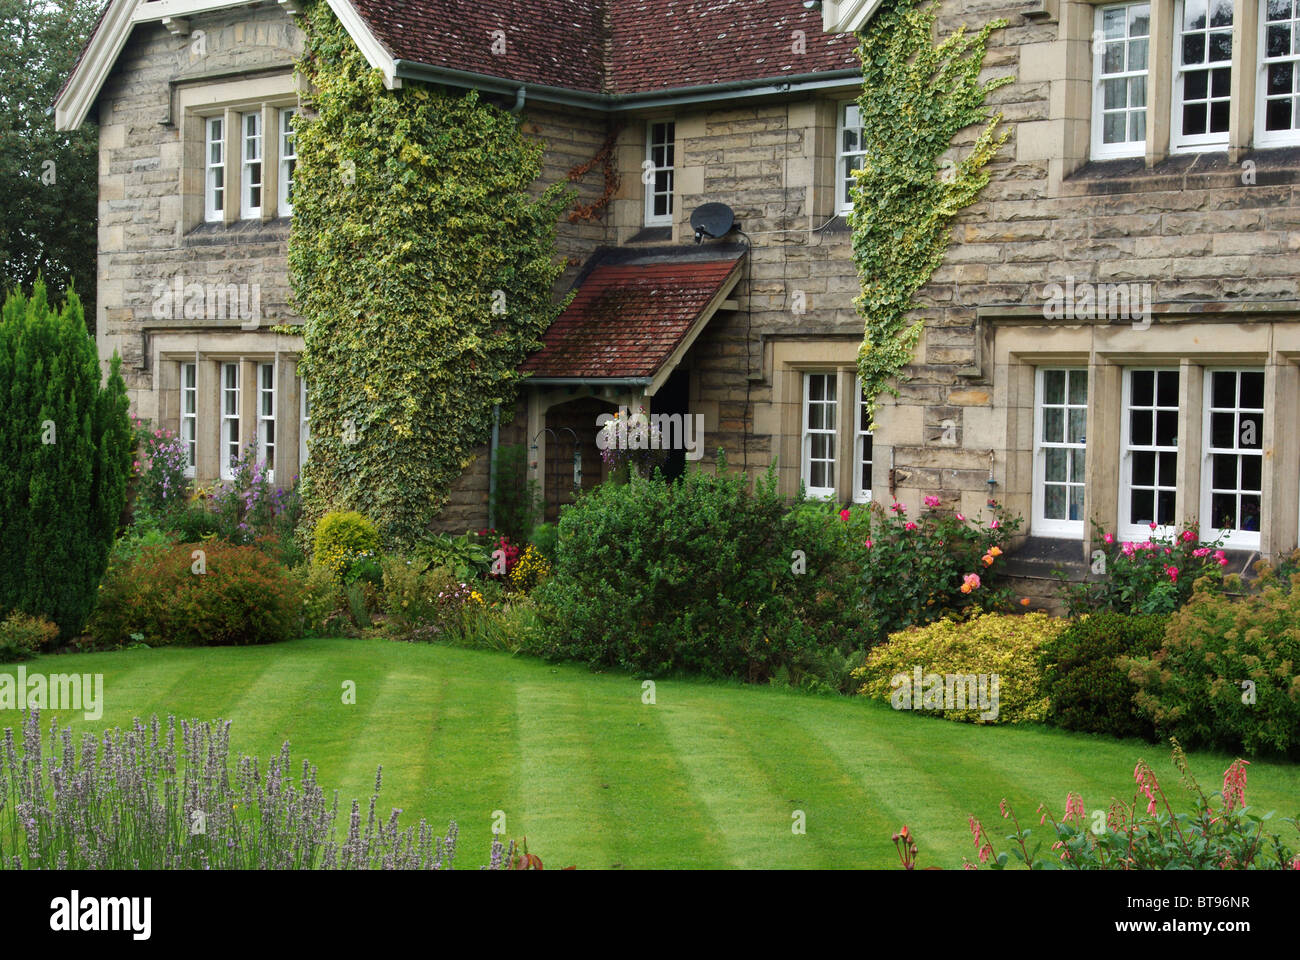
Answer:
(423, 268)
(48, 180)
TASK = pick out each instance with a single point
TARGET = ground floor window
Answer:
(229, 418)
(1232, 475)
(190, 415)
(820, 419)
(862, 462)
(1060, 451)
(1149, 470)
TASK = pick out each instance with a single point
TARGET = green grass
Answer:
(709, 776)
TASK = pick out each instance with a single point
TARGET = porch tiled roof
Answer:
(631, 311)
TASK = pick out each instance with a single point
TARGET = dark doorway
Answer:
(675, 397)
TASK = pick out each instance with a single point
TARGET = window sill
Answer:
(1183, 171)
(241, 231)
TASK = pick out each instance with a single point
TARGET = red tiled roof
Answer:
(612, 46)
(628, 317)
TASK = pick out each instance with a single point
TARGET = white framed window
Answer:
(849, 155)
(820, 416)
(1233, 472)
(190, 416)
(862, 452)
(1060, 450)
(288, 161)
(214, 190)
(304, 421)
(251, 171)
(229, 418)
(1149, 470)
(1121, 44)
(660, 149)
(1277, 96)
(266, 417)
(1202, 74)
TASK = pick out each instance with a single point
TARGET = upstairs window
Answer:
(1202, 74)
(252, 165)
(1121, 45)
(851, 152)
(659, 170)
(288, 162)
(1278, 118)
(214, 191)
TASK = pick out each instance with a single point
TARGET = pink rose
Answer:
(909, 525)
(931, 501)
(1109, 538)
(961, 517)
(844, 514)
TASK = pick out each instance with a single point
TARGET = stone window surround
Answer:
(1107, 350)
(209, 350)
(783, 416)
(195, 104)
(1077, 25)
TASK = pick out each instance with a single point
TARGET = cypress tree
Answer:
(66, 438)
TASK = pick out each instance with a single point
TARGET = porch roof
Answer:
(635, 313)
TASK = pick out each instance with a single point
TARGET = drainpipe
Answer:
(492, 462)
(520, 96)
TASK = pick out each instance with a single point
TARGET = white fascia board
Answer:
(847, 16)
(376, 54)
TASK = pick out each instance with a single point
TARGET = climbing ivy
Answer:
(423, 268)
(917, 95)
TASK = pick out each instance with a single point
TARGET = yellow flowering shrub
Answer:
(340, 538)
(993, 643)
(530, 570)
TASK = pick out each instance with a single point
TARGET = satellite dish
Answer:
(713, 220)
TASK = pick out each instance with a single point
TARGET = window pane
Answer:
(1167, 428)
(1168, 469)
(1252, 390)
(1078, 386)
(1224, 471)
(1224, 389)
(1054, 469)
(1165, 502)
(1221, 13)
(1140, 428)
(1252, 473)
(1223, 511)
(1250, 431)
(1144, 469)
(1054, 386)
(1053, 425)
(1076, 503)
(1078, 425)
(1077, 465)
(1143, 387)
(1193, 49)
(1167, 384)
(1141, 506)
(1054, 502)
(1223, 431)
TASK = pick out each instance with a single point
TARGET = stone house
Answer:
(1112, 336)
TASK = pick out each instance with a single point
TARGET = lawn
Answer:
(708, 776)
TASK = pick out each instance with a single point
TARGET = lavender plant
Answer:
(146, 798)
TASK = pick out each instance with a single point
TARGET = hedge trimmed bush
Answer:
(226, 596)
(65, 455)
(653, 577)
(1008, 645)
(1087, 688)
(1228, 672)
(341, 539)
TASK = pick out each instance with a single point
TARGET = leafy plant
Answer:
(342, 539)
(22, 636)
(1138, 835)
(1151, 576)
(1228, 671)
(1005, 645)
(466, 556)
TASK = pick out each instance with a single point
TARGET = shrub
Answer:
(873, 571)
(1007, 645)
(22, 636)
(161, 460)
(530, 570)
(655, 576)
(322, 601)
(66, 450)
(1086, 687)
(516, 504)
(341, 539)
(1226, 835)
(144, 532)
(1228, 672)
(214, 594)
(545, 537)
(1151, 576)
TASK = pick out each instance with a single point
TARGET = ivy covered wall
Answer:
(423, 269)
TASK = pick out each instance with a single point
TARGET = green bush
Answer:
(516, 504)
(323, 602)
(545, 537)
(1228, 672)
(66, 449)
(22, 636)
(1086, 687)
(209, 594)
(1007, 645)
(342, 539)
(654, 577)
